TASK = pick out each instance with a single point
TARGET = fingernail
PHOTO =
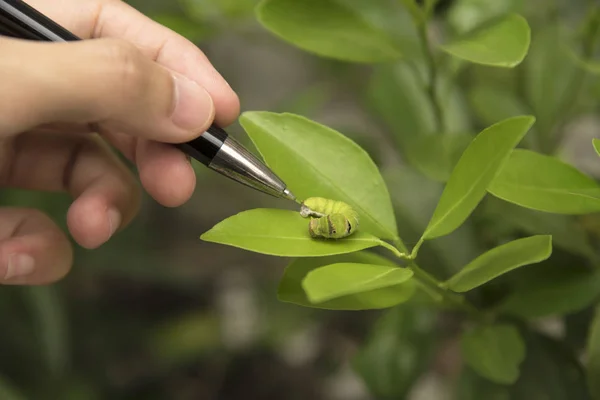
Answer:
(193, 105)
(114, 220)
(19, 265)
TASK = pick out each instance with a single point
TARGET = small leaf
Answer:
(291, 291)
(495, 352)
(436, 155)
(281, 233)
(326, 28)
(398, 351)
(504, 43)
(465, 15)
(596, 144)
(593, 351)
(315, 160)
(552, 291)
(501, 260)
(343, 279)
(477, 167)
(545, 183)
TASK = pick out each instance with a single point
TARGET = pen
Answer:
(214, 148)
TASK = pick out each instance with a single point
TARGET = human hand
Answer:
(137, 86)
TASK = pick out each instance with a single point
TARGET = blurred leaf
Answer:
(494, 351)
(477, 167)
(545, 183)
(552, 291)
(501, 43)
(326, 28)
(8, 391)
(466, 15)
(596, 144)
(343, 279)
(51, 326)
(492, 104)
(550, 371)
(548, 79)
(398, 351)
(291, 291)
(436, 156)
(472, 386)
(593, 351)
(185, 337)
(281, 233)
(308, 100)
(211, 10)
(330, 164)
(500, 260)
(565, 232)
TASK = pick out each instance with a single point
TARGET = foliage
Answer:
(473, 226)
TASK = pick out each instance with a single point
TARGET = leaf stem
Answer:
(432, 84)
(394, 250)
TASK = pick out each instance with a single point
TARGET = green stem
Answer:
(394, 250)
(432, 84)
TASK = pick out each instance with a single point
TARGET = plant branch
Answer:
(432, 84)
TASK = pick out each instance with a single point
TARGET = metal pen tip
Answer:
(289, 195)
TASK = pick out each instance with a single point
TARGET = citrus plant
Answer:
(489, 225)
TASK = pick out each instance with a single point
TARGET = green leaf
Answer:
(472, 386)
(492, 104)
(549, 291)
(327, 28)
(477, 167)
(565, 232)
(342, 279)
(596, 144)
(317, 161)
(494, 351)
(291, 290)
(550, 371)
(593, 351)
(500, 260)
(281, 233)
(503, 43)
(466, 15)
(545, 183)
(397, 351)
(436, 156)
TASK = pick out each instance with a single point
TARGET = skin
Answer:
(137, 86)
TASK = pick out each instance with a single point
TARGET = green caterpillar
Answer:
(330, 219)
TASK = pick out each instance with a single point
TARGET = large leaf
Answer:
(500, 260)
(477, 167)
(327, 28)
(549, 290)
(317, 161)
(565, 232)
(494, 351)
(502, 43)
(397, 351)
(281, 233)
(593, 350)
(545, 183)
(343, 279)
(291, 291)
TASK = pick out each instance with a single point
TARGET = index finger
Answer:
(115, 19)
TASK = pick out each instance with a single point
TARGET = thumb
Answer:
(106, 81)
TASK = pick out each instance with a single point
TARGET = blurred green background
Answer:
(158, 314)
